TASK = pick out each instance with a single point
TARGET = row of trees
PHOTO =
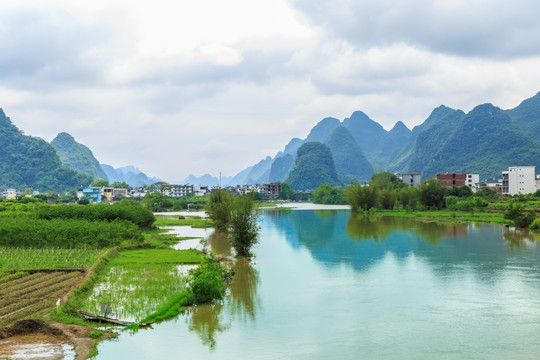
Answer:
(237, 217)
(385, 192)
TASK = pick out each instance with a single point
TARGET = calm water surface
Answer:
(325, 285)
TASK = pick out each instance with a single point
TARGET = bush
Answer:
(208, 281)
(535, 224)
(127, 210)
(18, 231)
(451, 201)
(516, 212)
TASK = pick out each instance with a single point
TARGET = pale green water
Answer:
(327, 286)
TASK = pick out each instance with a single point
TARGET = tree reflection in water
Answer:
(518, 238)
(205, 321)
(380, 228)
(241, 301)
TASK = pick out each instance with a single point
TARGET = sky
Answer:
(208, 86)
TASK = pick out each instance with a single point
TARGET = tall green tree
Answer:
(384, 180)
(243, 230)
(431, 194)
(361, 197)
(219, 209)
(327, 194)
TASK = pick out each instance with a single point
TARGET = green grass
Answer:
(196, 221)
(135, 291)
(158, 256)
(449, 216)
(33, 259)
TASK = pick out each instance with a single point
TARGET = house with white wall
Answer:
(519, 180)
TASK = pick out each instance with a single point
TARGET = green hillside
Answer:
(29, 162)
(350, 161)
(77, 156)
(487, 142)
(314, 166)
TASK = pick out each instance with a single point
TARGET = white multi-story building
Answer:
(413, 179)
(472, 181)
(519, 180)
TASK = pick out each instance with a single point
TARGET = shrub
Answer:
(208, 281)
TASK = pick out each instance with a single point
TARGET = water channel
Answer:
(325, 284)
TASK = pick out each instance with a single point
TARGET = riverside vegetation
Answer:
(386, 197)
(109, 254)
(237, 216)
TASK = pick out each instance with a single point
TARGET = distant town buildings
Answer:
(272, 190)
(452, 180)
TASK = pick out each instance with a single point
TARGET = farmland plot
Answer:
(31, 295)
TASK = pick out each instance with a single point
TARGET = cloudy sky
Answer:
(180, 87)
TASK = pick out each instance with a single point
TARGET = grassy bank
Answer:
(193, 221)
(449, 216)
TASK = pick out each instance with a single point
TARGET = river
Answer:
(328, 285)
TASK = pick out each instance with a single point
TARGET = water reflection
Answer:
(205, 320)
(241, 303)
(365, 228)
(518, 238)
(244, 300)
(339, 237)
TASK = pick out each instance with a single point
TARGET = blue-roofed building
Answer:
(93, 194)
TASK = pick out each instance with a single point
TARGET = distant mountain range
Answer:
(487, 140)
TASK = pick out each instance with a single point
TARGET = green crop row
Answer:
(66, 233)
(46, 258)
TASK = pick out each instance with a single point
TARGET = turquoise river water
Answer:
(328, 285)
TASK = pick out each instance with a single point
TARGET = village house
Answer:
(452, 180)
(519, 180)
(412, 179)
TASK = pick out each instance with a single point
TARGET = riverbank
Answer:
(448, 216)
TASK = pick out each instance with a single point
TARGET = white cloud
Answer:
(195, 87)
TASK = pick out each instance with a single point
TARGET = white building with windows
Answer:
(472, 181)
(519, 180)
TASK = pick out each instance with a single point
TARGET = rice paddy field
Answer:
(25, 294)
(33, 280)
(138, 282)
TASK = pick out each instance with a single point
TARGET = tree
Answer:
(384, 180)
(327, 194)
(517, 214)
(120, 185)
(243, 229)
(286, 192)
(408, 197)
(387, 198)
(486, 192)
(431, 194)
(361, 197)
(219, 209)
(100, 183)
(461, 191)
